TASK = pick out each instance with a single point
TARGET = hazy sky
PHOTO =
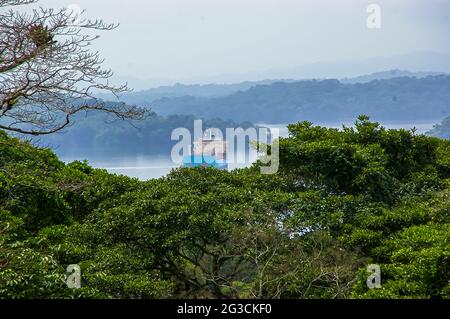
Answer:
(179, 39)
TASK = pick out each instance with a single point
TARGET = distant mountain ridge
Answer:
(402, 98)
(419, 61)
(390, 74)
(147, 97)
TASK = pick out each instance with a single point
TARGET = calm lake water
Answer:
(143, 167)
(150, 167)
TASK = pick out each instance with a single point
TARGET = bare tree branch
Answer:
(47, 72)
(6, 3)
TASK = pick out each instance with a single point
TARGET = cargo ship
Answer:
(209, 151)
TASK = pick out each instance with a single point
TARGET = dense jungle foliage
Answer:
(342, 199)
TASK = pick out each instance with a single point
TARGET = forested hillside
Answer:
(147, 97)
(402, 98)
(95, 135)
(341, 200)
